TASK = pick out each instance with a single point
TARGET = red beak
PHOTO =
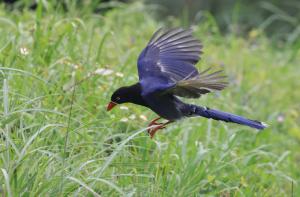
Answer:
(110, 105)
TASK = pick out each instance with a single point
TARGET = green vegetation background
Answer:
(58, 70)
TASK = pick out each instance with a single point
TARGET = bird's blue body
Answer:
(166, 71)
(170, 107)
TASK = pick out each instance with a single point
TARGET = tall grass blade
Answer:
(7, 182)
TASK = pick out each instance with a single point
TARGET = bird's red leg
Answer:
(160, 126)
(153, 122)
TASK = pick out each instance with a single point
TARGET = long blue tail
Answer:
(227, 117)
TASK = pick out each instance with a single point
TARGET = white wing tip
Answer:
(264, 124)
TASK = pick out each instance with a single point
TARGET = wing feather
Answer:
(171, 36)
(202, 84)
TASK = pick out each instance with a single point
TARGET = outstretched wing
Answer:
(171, 54)
(203, 83)
(167, 65)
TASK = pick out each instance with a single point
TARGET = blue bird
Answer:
(166, 69)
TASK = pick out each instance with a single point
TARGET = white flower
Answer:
(132, 117)
(118, 74)
(123, 107)
(143, 117)
(103, 71)
(24, 51)
(75, 66)
(124, 120)
(280, 118)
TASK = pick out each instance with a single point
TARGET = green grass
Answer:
(58, 139)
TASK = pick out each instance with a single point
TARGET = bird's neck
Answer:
(134, 94)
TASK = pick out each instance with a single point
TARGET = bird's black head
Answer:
(120, 95)
(127, 94)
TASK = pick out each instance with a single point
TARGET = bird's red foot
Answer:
(158, 126)
(155, 129)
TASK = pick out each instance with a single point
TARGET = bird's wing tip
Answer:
(265, 125)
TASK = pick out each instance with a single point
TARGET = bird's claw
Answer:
(152, 131)
(158, 126)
